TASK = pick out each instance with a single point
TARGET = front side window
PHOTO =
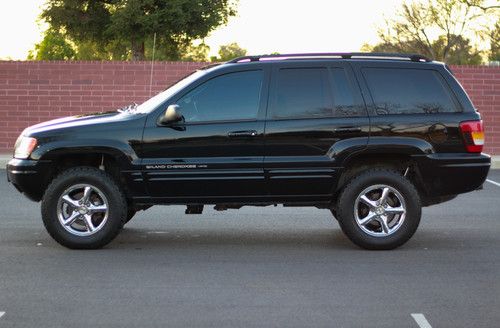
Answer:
(302, 93)
(232, 96)
(408, 91)
(153, 103)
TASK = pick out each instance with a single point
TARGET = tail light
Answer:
(473, 134)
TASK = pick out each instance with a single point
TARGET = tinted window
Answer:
(343, 98)
(408, 91)
(233, 96)
(302, 92)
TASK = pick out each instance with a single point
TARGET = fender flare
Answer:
(347, 150)
(123, 152)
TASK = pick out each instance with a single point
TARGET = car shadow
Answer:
(193, 238)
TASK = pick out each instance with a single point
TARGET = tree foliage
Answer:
(495, 42)
(123, 28)
(460, 53)
(437, 29)
(230, 51)
(196, 53)
(54, 46)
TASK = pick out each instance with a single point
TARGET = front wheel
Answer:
(379, 209)
(83, 208)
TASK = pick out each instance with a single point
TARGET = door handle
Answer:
(348, 129)
(239, 134)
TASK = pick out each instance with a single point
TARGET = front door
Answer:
(217, 151)
(315, 110)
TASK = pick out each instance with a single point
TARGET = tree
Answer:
(197, 53)
(495, 42)
(461, 53)
(54, 46)
(229, 51)
(132, 23)
(113, 50)
(447, 20)
(480, 4)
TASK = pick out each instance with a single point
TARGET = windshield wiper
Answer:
(129, 108)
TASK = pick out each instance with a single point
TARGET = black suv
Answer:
(372, 137)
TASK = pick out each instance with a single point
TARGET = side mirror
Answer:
(172, 115)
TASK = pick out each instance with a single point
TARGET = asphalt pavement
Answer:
(254, 267)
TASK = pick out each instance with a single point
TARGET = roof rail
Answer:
(343, 55)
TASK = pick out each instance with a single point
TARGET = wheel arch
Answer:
(110, 159)
(398, 153)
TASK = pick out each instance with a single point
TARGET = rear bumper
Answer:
(29, 177)
(453, 174)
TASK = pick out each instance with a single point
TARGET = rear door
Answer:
(315, 111)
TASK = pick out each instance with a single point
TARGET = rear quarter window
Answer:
(409, 91)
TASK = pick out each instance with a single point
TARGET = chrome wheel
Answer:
(379, 210)
(82, 210)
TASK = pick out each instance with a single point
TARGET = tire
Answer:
(83, 208)
(362, 218)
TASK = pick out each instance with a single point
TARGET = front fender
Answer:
(123, 152)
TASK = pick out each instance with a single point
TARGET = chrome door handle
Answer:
(238, 134)
(350, 129)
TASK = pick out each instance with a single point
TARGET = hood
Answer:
(76, 121)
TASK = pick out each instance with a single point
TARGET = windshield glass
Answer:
(150, 104)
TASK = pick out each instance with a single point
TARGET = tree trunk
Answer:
(138, 50)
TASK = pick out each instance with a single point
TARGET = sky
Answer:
(261, 26)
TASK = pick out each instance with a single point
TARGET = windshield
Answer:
(152, 103)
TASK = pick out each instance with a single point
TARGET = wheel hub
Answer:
(379, 210)
(83, 210)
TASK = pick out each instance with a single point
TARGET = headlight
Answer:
(24, 147)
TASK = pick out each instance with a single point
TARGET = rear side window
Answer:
(302, 93)
(409, 91)
(343, 98)
(233, 96)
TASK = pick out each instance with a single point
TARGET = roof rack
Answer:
(343, 55)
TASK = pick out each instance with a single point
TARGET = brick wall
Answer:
(482, 84)
(37, 91)
(32, 92)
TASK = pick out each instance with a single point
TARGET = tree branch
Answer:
(477, 5)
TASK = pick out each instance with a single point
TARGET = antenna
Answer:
(152, 63)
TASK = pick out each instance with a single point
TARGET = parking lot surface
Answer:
(256, 267)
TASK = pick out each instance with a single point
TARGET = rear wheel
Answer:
(379, 209)
(83, 208)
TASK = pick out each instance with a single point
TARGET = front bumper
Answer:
(453, 174)
(29, 177)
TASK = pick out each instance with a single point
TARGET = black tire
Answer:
(116, 208)
(345, 209)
